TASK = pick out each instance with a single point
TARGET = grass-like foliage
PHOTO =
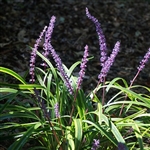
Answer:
(54, 112)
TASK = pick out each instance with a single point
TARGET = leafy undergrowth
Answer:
(28, 116)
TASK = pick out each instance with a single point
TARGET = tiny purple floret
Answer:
(56, 109)
(121, 146)
(96, 144)
(82, 67)
(108, 63)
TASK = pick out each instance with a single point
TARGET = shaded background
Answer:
(126, 20)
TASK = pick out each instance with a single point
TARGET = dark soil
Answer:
(127, 21)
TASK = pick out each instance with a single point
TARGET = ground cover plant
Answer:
(52, 111)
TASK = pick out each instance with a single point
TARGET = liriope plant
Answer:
(52, 111)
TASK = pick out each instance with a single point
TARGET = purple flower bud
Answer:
(48, 38)
(95, 145)
(33, 56)
(144, 60)
(108, 63)
(56, 109)
(102, 41)
(82, 67)
(121, 146)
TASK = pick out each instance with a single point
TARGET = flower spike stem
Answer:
(47, 116)
(80, 78)
(57, 114)
(106, 67)
(140, 68)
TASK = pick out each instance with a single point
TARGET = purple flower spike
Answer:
(48, 37)
(60, 68)
(109, 62)
(56, 109)
(49, 49)
(141, 66)
(95, 145)
(102, 41)
(144, 60)
(82, 67)
(33, 55)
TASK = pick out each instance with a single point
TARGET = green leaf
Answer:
(50, 65)
(135, 95)
(114, 129)
(99, 109)
(12, 73)
(16, 111)
(70, 70)
(10, 98)
(18, 144)
(15, 75)
(69, 138)
(80, 103)
(22, 86)
(7, 90)
(138, 135)
(103, 131)
(114, 81)
(78, 132)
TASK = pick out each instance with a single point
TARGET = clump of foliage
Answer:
(53, 111)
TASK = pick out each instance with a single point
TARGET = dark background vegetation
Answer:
(126, 20)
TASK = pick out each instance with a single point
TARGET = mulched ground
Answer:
(127, 21)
